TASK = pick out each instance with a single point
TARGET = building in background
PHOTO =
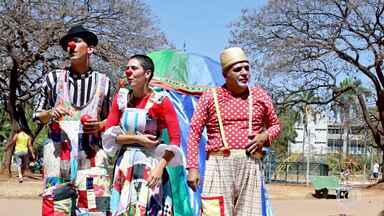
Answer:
(319, 134)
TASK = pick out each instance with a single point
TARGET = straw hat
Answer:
(231, 56)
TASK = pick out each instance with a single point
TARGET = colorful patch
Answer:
(212, 205)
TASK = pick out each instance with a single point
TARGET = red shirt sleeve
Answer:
(170, 121)
(114, 115)
(271, 120)
(198, 122)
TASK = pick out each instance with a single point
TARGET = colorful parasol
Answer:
(185, 72)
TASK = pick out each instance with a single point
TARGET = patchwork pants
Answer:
(232, 186)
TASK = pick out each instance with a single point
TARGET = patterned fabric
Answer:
(81, 88)
(161, 109)
(135, 121)
(76, 159)
(235, 119)
(93, 191)
(58, 197)
(236, 180)
(212, 205)
(130, 194)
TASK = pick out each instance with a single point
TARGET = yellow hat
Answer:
(231, 56)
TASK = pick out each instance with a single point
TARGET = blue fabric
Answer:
(115, 198)
(266, 208)
(184, 106)
(180, 192)
(74, 168)
(203, 71)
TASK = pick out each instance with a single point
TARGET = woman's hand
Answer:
(156, 174)
(147, 140)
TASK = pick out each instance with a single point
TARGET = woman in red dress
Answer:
(134, 125)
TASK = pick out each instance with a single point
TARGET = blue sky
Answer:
(201, 25)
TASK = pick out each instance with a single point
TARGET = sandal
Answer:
(20, 180)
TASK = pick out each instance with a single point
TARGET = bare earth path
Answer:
(296, 200)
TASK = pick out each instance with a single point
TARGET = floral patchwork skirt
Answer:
(130, 193)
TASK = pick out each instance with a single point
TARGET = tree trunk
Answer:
(6, 163)
(378, 140)
(16, 115)
(374, 130)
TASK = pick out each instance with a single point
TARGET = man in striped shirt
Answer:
(74, 161)
(81, 87)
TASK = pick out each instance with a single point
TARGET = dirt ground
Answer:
(296, 200)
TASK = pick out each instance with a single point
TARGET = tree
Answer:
(280, 145)
(311, 44)
(29, 35)
(347, 107)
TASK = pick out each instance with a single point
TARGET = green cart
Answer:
(324, 184)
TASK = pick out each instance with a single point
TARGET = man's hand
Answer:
(59, 111)
(256, 142)
(91, 127)
(193, 178)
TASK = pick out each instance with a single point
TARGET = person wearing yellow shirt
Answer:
(23, 143)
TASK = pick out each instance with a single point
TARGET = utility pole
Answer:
(184, 46)
(308, 156)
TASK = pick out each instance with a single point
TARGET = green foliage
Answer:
(5, 130)
(288, 133)
(334, 162)
(282, 167)
(354, 163)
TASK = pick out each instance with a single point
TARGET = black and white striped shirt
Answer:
(81, 86)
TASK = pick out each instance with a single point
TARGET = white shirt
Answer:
(376, 167)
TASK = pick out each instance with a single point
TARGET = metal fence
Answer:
(292, 172)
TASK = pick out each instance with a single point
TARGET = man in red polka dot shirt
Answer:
(240, 121)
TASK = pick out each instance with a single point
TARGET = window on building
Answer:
(320, 129)
(335, 130)
(356, 147)
(335, 145)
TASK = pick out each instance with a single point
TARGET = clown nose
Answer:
(71, 45)
(128, 73)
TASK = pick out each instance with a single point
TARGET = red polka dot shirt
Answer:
(234, 114)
